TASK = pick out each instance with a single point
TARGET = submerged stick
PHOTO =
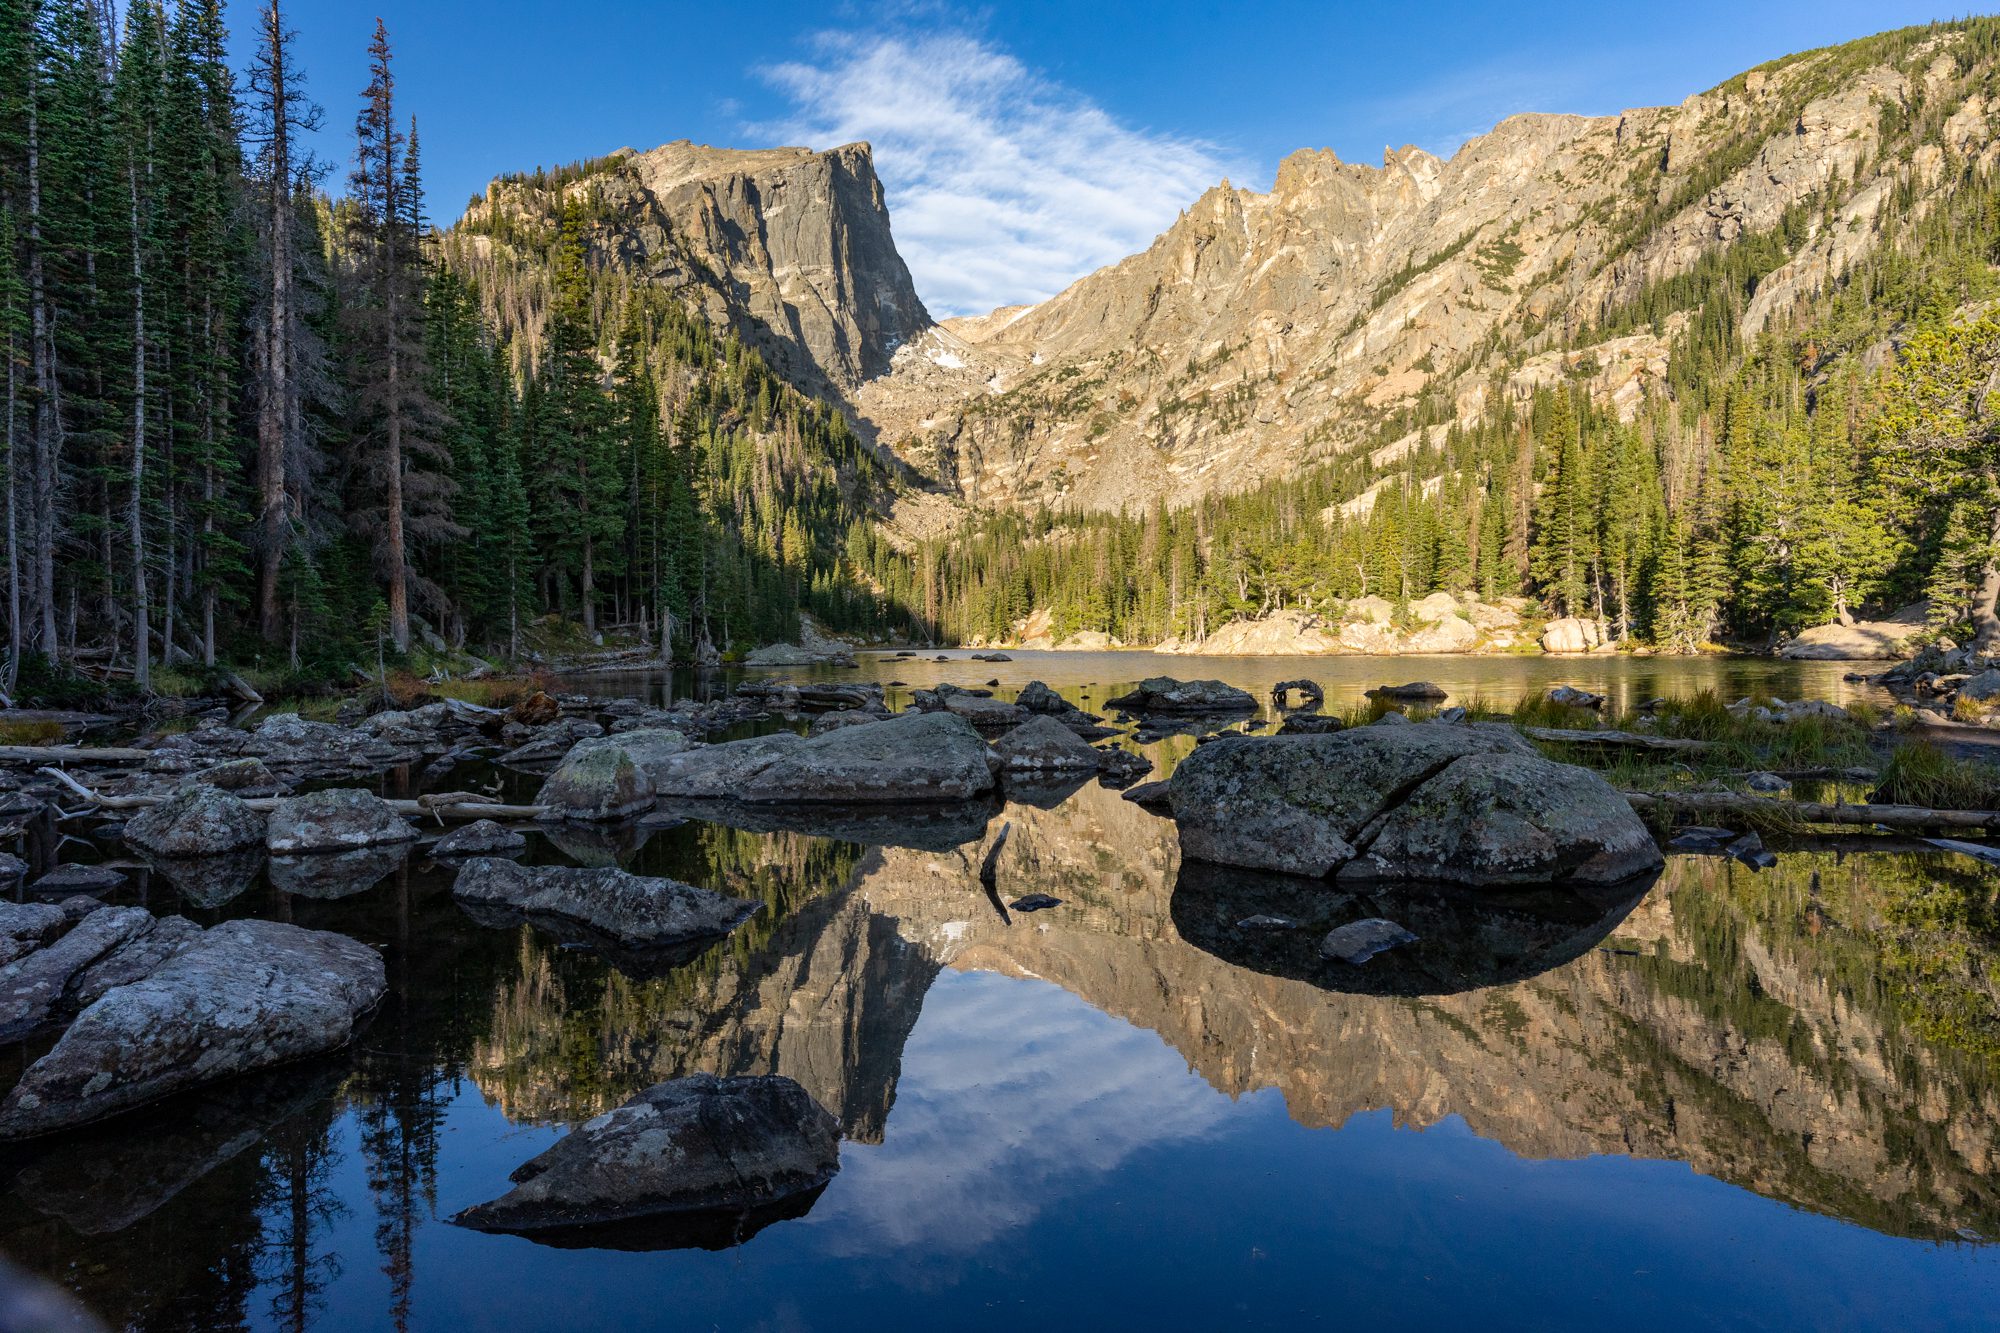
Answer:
(1633, 739)
(1811, 812)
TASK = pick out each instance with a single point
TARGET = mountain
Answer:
(787, 248)
(1263, 331)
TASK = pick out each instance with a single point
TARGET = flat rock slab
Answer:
(1164, 694)
(1358, 941)
(914, 758)
(32, 988)
(79, 879)
(247, 995)
(691, 1145)
(628, 910)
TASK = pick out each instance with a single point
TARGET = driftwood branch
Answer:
(1811, 812)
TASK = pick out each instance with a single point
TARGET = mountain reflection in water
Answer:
(1122, 1109)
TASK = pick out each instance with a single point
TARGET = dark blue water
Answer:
(1726, 1099)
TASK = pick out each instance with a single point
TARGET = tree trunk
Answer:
(48, 418)
(1986, 606)
(272, 416)
(142, 611)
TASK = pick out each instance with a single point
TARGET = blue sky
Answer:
(1024, 144)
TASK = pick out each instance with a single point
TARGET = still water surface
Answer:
(1726, 1099)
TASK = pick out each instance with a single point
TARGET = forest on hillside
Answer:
(252, 418)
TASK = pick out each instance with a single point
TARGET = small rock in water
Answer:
(1035, 902)
(1766, 784)
(1571, 696)
(1750, 850)
(79, 879)
(1358, 941)
(11, 866)
(1263, 921)
(482, 837)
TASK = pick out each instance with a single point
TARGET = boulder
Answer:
(598, 781)
(1506, 819)
(1311, 695)
(337, 820)
(196, 820)
(25, 927)
(1163, 694)
(718, 772)
(984, 712)
(1041, 745)
(1979, 688)
(244, 777)
(1572, 635)
(1417, 691)
(692, 1145)
(1369, 610)
(1039, 698)
(1439, 606)
(608, 904)
(32, 987)
(1449, 635)
(537, 710)
(137, 958)
(1571, 697)
(482, 837)
(1472, 804)
(1863, 641)
(245, 996)
(835, 721)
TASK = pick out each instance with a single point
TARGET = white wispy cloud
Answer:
(1004, 186)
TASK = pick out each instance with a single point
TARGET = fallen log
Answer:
(72, 754)
(463, 809)
(1810, 812)
(1633, 739)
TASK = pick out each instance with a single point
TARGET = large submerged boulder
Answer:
(914, 757)
(606, 903)
(1043, 745)
(245, 996)
(691, 1145)
(1465, 804)
(336, 820)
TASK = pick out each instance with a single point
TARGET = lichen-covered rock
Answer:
(135, 959)
(719, 771)
(597, 781)
(1164, 694)
(984, 712)
(196, 820)
(1039, 698)
(32, 987)
(337, 820)
(1041, 745)
(691, 1145)
(245, 996)
(1470, 804)
(1500, 819)
(914, 757)
(629, 910)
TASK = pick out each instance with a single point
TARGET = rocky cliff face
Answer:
(1265, 330)
(788, 248)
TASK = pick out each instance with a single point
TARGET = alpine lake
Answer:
(1721, 1098)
